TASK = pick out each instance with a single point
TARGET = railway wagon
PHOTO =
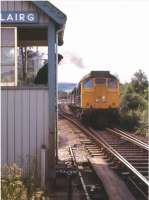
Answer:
(96, 100)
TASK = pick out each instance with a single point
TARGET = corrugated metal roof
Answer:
(98, 74)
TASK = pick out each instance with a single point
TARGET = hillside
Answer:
(66, 87)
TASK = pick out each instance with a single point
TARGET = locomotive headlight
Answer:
(97, 100)
(103, 98)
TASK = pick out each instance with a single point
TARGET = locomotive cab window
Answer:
(8, 56)
(88, 83)
(99, 81)
(112, 83)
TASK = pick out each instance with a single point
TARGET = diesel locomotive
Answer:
(96, 99)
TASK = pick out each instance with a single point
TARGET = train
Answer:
(96, 99)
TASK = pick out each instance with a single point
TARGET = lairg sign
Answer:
(18, 17)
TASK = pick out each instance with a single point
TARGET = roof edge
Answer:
(53, 12)
(56, 15)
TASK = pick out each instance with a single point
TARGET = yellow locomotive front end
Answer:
(100, 93)
(96, 100)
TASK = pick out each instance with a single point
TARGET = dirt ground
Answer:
(66, 137)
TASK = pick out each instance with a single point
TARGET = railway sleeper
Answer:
(133, 154)
(126, 147)
(144, 157)
(137, 160)
(129, 150)
(143, 192)
(136, 164)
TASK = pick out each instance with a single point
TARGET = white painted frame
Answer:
(16, 61)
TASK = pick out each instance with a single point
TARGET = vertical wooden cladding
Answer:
(24, 6)
(24, 126)
(7, 37)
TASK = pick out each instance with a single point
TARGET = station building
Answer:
(29, 111)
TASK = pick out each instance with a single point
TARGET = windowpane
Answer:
(7, 74)
(88, 83)
(112, 83)
(7, 56)
(100, 81)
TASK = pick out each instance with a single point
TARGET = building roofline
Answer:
(55, 14)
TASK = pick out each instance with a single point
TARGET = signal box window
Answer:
(99, 81)
(8, 56)
(112, 83)
(88, 83)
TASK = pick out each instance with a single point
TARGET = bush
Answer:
(134, 104)
(15, 187)
(130, 120)
(12, 186)
(132, 101)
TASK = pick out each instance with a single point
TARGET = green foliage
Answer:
(130, 120)
(12, 186)
(134, 103)
(15, 187)
(139, 82)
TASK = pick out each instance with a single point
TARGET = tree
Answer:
(134, 104)
(140, 82)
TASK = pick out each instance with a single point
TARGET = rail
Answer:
(129, 138)
(118, 156)
(79, 173)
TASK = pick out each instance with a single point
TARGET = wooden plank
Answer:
(32, 7)
(25, 131)
(18, 6)
(33, 127)
(11, 134)
(11, 5)
(46, 119)
(40, 126)
(116, 189)
(18, 128)
(4, 127)
(4, 6)
(43, 19)
(25, 5)
(8, 36)
(46, 126)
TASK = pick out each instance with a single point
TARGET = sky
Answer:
(104, 35)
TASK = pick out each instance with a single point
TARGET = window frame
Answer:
(89, 79)
(99, 84)
(14, 83)
(116, 84)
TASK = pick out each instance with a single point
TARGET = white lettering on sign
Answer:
(22, 17)
(30, 17)
(18, 17)
(9, 18)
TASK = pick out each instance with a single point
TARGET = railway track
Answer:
(126, 155)
(91, 185)
(129, 157)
